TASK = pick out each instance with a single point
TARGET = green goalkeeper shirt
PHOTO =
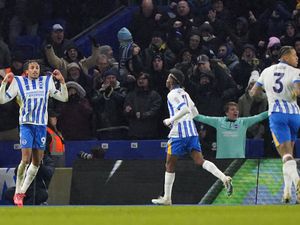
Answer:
(231, 135)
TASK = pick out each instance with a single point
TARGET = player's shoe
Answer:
(228, 185)
(298, 193)
(161, 201)
(18, 199)
(286, 198)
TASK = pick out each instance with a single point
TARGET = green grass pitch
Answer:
(152, 215)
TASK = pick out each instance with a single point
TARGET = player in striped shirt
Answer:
(281, 83)
(32, 93)
(183, 137)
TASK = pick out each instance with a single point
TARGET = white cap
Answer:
(254, 77)
(56, 27)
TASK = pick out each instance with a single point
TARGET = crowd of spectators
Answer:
(220, 45)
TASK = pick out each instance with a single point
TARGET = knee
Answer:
(287, 157)
(170, 167)
(199, 162)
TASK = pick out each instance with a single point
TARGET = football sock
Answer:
(286, 178)
(290, 168)
(169, 180)
(20, 176)
(210, 167)
(30, 175)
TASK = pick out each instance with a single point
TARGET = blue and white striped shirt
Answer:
(32, 97)
(185, 126)
(278, 81)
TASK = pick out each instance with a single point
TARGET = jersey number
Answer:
(185, 99)
(278, 84)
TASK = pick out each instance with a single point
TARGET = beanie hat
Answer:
(124, 34)
(73, 65)
(273, 41)
(177, 75)
(112, 71)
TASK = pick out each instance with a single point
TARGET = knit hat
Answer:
(206, 27)
(273, 41)
(73, 65)
(254, 77)
(177, 75)
(124, 34)
(112, 71)
(80, 91)
(57, 27)
(202, 59)
(249, 46)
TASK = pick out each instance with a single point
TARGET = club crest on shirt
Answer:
(23, 141)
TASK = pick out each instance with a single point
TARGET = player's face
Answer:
(292, 58)
(232, 113)
(33, 70)
(169, 82)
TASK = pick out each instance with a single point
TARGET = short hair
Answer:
(284, 50)
(228, 105)
(26, 64)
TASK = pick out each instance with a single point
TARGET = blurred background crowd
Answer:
(220, 45)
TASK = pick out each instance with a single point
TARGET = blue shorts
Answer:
(33, 136)
(284, 127)
(182, 146)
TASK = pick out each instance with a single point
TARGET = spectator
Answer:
(102, 64)
(55, 141)
(75, 74)
(142, 109)
(148, 19)
(242, 71)
(185, 62)
(108, 104)
(108, 51)
(4, 55)
(194, 45)
(289, 34)
(125, 51)
(208, 39)
(271, 56)
(76, 114)
(223, 83)
(57, 40)
(72, 54)
(250, 106)
(158, 45)
(184, 21)
(37, 193)
(16, 65)
(226, 54)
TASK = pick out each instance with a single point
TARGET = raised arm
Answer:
(60, 95)
(6, 96)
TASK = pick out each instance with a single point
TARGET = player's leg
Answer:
(26, 141)
(174, 147)
(37, 156)
(284, 131)
(213, 169)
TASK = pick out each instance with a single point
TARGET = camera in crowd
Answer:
(96, 153)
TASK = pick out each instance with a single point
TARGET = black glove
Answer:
(108, 91)
(94, 41)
